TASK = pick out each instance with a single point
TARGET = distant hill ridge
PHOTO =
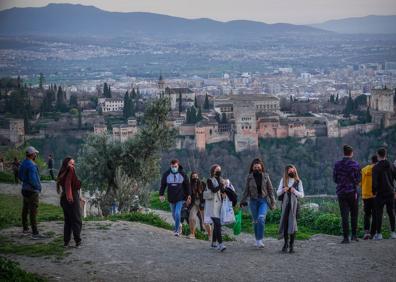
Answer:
(362, 25)
(79, 20)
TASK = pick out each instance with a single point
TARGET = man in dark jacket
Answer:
(178, 191)
(347, 176)
(31, 187)
(384, 175)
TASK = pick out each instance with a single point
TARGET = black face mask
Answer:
(218, 173)
(256, 171)
(195, 179)
(292, 175)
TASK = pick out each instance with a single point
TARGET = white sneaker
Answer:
(221, 247)
(393, 235)
(378, 236)
(260, 244)
(256, 243)
(213, 246)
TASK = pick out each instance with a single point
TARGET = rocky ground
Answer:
(128, 251)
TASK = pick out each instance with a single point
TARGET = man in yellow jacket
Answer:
(368, 199)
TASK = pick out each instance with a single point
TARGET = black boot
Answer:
(291, 246)
(285, 245)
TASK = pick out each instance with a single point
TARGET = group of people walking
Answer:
(377, 183)
(68, 186)
(205, 200)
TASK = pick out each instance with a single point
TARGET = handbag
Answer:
(208, 195)
(227, 215)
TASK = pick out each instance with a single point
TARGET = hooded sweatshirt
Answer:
(178, 185)
(347, 175)
(384, 173)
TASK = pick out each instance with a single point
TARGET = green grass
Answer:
(11, 207)
(53, 248)
(156, 204)
(11, 271)
(7, 177)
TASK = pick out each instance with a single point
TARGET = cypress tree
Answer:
(206, 103)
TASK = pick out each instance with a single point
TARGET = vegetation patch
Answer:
(11, 271)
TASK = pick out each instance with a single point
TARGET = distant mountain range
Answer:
(362, 25)
(79, 20)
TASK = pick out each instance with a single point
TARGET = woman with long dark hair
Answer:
(197, 204)
(289, 190)
(69, 187)
(260, 192)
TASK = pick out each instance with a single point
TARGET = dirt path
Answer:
(127, 251)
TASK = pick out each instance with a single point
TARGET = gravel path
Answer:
(128, 251)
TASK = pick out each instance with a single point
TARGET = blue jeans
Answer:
(176, 213)
(258, 208)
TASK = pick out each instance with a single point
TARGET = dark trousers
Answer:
(16, 179)
(349, 205)
(29, 207)
(216, 230)
(72, 217)
(51, 171)
(389, 203)
(369, 215)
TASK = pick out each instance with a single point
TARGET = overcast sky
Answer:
(269, 11)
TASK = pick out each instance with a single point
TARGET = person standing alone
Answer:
(50, 165)
(31, 187)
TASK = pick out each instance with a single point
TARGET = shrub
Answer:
(328, 223)
(6, 177)
(10, 271)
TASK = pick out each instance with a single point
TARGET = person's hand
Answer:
(243, 205)
(70, 200)
(285, 189)
(292, 190)
(395, 195)
(161, 198)
(223, 195)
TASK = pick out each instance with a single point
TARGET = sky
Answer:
(269, 11)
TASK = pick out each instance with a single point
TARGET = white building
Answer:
(111, 104)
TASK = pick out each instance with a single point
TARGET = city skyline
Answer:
(269, 11)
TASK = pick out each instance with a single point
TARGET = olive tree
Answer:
(117, 172)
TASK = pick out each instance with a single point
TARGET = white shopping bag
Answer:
(227, 212)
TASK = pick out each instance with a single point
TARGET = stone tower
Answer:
(17, 131)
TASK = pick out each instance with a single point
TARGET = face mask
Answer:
(195, 179)
(174, 169)
(256, 171)
(218, 173)
(292, 175)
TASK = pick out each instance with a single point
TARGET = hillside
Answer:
(79, 20)
(361, 25)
